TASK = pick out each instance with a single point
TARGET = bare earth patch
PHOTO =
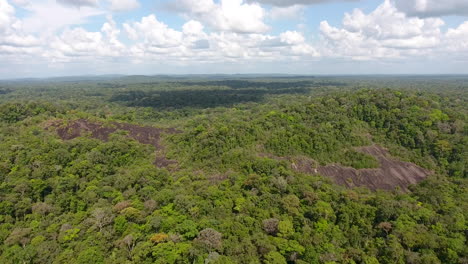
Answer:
(391, 173)
(143, 134)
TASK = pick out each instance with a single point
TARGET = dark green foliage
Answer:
(14, 112)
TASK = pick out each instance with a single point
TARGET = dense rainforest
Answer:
(234, 169)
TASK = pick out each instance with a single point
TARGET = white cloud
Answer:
(289, 12)
(297, 44)
(20, 2)
(13, 39)
(16, 40)
(298, 2)
(219, 32)
(41, 21)
(112, 32)
(123, 5)
(260, 47)
(456, 41)
(79, 44)
(384, 33)
(292, 37)
(156, 41)
(79, 3)
(193, 27)
(7, 13)
(228, 15)
(154, 33)
(433, 8)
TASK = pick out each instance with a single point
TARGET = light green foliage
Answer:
(131, 214)
(370, 260)
(274, 258)
(170, 252)
(69, 235)
(286, 228)
(323, 210)
(37, 240)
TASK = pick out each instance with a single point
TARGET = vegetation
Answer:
(232, 194)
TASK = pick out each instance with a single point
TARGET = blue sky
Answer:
(40, 38)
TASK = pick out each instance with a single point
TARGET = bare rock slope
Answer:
(143, 134)
(392, 173)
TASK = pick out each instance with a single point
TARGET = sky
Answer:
(44, 38)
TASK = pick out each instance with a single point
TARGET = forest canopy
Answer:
(233, 170)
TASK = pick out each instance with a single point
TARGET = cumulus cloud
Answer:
(78, 3)
(21, 2)
(7, 15)
(157, 41)
(193, 27)
(456, 41)
(78, 43)
(123, 5)
(433, 8)
(297, 44)
(150, 31)
(384, 33)
(114, 5)
(298, 2)
(41, 21)
(13, 39)
(227, 15)
(262, 47)
(289, 12)
(292, 37)
(219, 32)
